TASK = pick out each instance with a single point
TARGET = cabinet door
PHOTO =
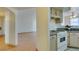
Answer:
(68, 39)
(53, 11)
(53, 43)
(66, 20)
(77, 35)
(74, 39)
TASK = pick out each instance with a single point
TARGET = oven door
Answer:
(61, 40)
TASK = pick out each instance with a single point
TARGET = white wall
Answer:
(7, 28)
(26, 20)
(10, 31)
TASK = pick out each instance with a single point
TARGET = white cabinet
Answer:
(53, 45)
(66, 17)
(56, 14)
(74, 39)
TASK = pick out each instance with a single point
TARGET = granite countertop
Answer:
(64, 29)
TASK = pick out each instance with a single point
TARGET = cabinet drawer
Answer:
(52, 37)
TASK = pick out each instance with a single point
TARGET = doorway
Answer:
(7, 29)
(26, 29)
(2, 32)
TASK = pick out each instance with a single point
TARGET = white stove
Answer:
(62, 41)
(61, 37)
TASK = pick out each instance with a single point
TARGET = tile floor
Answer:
(72, 49)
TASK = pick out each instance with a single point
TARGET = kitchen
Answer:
(63, 28)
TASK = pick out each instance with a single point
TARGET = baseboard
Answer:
(2, 35)
(10, 45)
(25, 32)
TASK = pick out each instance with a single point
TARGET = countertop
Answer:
(70, 29)
(64, 29)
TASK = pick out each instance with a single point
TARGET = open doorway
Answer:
(2, 32)
(7, 29)
(26, 28)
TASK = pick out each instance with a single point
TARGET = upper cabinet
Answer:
(66, 15)
(56, 14)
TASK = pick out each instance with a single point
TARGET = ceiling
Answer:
(3, 9)
(21, 8)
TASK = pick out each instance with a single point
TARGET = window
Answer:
(74, 22)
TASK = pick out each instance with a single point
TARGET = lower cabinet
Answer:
(74, 39)
(53, 45)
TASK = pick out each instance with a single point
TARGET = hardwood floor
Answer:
(2, 43)
(3, 46)
(26, 42)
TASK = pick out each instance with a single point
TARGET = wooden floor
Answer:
(26, 42)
